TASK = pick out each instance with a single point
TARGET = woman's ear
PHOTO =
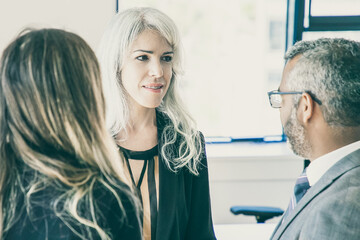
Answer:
(306, 108)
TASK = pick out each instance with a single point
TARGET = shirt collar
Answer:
(319, 166)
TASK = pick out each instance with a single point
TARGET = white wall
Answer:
(251, 174)
(87, 18)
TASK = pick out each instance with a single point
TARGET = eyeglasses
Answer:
(275, 98)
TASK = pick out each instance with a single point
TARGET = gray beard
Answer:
(296, 136)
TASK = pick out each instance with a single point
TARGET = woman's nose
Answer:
(156, 69)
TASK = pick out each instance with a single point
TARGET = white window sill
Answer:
(248, 149)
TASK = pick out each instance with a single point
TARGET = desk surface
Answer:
(244, 231)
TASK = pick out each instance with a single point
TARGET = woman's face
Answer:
(147, 70)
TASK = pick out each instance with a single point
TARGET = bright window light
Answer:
(335, 7)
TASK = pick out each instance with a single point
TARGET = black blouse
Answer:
(184, 210)
(147, 188)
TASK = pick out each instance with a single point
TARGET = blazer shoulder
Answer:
(336, 210)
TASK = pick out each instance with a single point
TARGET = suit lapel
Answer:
(342, 166)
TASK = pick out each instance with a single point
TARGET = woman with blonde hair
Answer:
(140, 59)
(60, 173)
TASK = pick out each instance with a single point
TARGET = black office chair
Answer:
(261, 213)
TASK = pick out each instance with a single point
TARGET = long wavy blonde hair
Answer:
(122, 31)
(52, 122)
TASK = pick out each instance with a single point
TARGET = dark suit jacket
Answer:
(184, 200)
(43, 224)
(330, 209)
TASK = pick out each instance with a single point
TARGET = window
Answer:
(233, 55)
(311, 19)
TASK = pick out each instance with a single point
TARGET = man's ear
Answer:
(306, 108)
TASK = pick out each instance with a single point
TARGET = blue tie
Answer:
(301, 187)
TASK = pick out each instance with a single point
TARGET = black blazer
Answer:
(43, 224)
(184, 200)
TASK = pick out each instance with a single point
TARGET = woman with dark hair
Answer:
(60, 174)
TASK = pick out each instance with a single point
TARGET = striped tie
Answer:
(301, 187)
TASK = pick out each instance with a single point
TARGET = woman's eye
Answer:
(166, 58)
(142, 58)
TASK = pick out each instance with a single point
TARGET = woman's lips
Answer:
(153, 87)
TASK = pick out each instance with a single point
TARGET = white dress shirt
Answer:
(319, 166)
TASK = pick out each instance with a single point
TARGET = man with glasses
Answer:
(319, 104)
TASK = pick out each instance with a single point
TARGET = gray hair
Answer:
(122, 31)
(329, 69)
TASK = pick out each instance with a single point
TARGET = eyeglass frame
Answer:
(273, 92)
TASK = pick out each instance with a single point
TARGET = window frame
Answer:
(300, 20)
